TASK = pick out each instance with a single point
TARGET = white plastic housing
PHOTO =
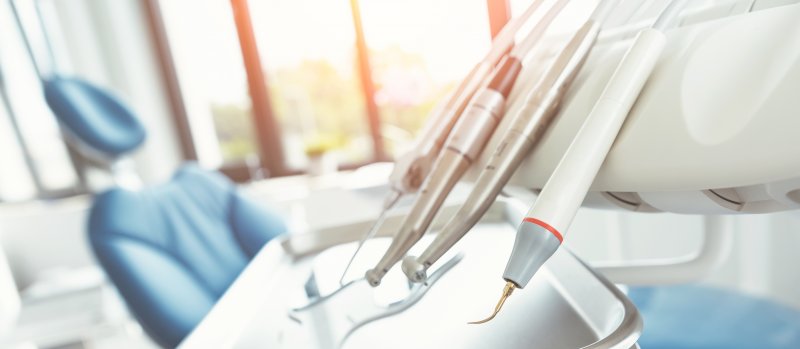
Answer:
(715, 130)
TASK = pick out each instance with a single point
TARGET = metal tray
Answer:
(567, 305)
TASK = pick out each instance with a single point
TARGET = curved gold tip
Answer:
(510, 286)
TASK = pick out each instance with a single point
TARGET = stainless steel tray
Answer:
(567, 305)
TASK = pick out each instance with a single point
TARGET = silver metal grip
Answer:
(476, 126)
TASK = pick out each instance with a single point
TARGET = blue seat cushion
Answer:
(94, 116)
(700, 317)
(172, 250)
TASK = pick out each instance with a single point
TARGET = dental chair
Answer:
(171, 249)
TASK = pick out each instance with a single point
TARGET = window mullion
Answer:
(368, 86)
(267, 128)
(170, 75)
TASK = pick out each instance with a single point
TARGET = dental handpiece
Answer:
(412, 168)
(540, 234)
(527, 127)
(464, 145)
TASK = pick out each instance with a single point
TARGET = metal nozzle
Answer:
(415, 271)
(374, 276)
(510, 286)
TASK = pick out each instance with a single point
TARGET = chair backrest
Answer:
(94, 116)
(172, 250)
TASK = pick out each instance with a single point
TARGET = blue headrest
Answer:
(94, 116)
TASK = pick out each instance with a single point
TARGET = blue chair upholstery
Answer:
(94, 116)
(698, 317)
(172, 250)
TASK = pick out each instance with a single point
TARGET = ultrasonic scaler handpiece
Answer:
(540, 234)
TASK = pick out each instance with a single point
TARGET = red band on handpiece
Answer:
(546, 226)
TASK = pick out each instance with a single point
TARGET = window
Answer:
(204, 45)
(417, 57)
(280, 81)
(308, 50)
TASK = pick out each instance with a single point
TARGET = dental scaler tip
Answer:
(510, 286)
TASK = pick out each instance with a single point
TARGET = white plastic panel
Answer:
(720, 111)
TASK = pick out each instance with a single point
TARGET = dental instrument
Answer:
(411, 168)
(541, 233)
(463, 146)
(527, 127)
